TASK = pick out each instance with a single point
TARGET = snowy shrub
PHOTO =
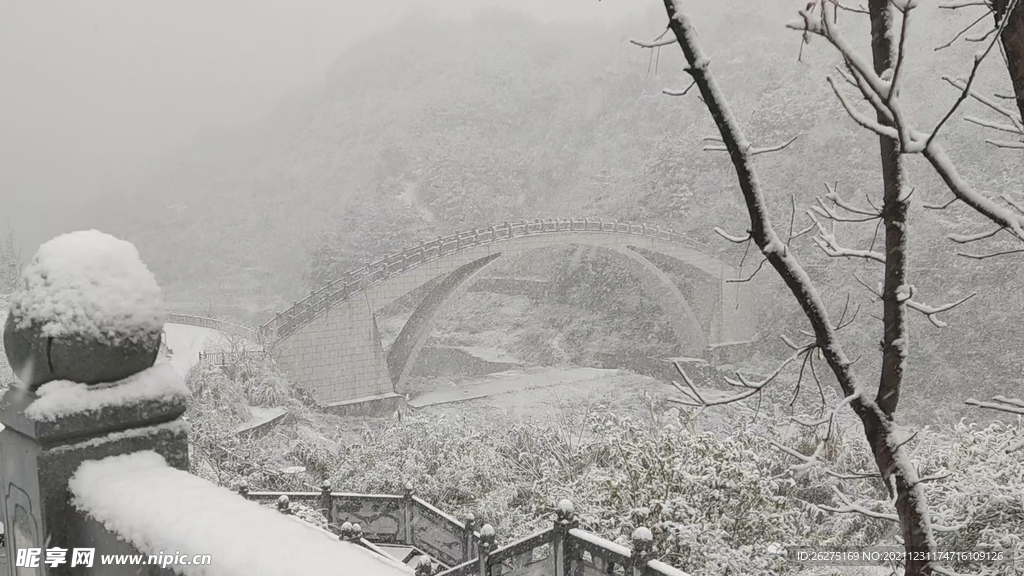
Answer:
(717, 503)
(983, 494)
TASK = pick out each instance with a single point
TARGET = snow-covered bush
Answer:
(983, 493)
(716, 503)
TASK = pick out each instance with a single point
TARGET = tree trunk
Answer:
(880, 430)
(1012, 39)
(894, 216)
(910, 503)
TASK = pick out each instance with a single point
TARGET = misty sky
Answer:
(95, 92)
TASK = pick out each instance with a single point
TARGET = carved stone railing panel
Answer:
(437, 533)
(530, 556)
(603, 555)
(380, 517)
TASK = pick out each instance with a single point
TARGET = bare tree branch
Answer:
(1016, 205)
(683, 92)
(962, 32)
(940, 206)
(991, 254)
(1006, 144)
(748, 278)
(957, 4)
(858, 10)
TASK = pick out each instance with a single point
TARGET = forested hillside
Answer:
(435, 126)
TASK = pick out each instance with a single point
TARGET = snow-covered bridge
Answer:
(329, 342)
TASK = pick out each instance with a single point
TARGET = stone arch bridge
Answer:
(329, 342)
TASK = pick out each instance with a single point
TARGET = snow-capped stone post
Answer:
(407, 505)
(467, 537)
(351, 533)
(243, 489)
(424, 567)
(642, 549)
(326, 502)
(345, 533)
(284, 505)
(484, 549)
(82, 336)
(565, 520)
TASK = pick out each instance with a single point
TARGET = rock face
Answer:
(89, 311)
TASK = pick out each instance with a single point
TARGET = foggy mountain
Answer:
(437, 124)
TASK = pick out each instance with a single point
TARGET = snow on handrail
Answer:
(438, 512)
(127, 495)
(215, 324)
(360, 279)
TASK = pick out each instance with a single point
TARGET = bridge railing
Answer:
(360, 279)
(215, 324)
(228, 358)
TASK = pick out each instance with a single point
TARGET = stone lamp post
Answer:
(82, 336)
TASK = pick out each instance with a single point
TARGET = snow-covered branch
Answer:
(978, 59)
(849, 507)
(657, 42)
(750, 150)
(960, 188)
(775, 148)
(999, 403)
(1014, 117)
(931, 311)
(968, 238)
(993, 125)
(731, 237)
(696, 399)
(826, 241)
(958, 4)
(878, 90)
(859, 117)
(897, 471)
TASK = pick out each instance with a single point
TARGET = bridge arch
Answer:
(329, 342)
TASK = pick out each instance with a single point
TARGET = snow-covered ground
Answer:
(186, 342)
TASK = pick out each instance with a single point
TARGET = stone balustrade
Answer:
(439, 545)
(94, 468)
(102, 466)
